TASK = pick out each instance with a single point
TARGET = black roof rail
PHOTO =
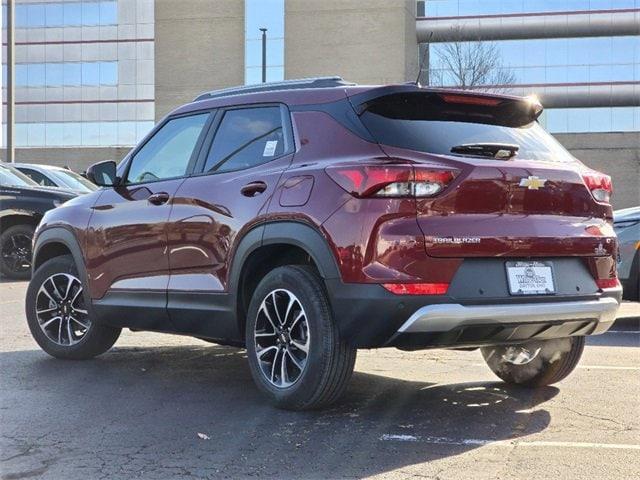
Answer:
(316, 82)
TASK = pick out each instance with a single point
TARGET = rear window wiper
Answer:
(492, 150)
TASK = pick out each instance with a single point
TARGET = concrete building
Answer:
(84, 78)
(581, 57)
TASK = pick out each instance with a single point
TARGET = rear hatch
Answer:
(516, 193)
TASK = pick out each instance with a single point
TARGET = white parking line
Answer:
(607, 367)
(506, 443)
(591, 367)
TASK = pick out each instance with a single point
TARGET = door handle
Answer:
(252, 189)
(159, 198)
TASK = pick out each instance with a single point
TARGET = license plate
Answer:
(530, 278)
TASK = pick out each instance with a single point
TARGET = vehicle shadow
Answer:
(4, 279)
(142, 409)
(616, 338)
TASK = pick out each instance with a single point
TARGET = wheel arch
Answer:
(272, 245)
(19, 218)
(56, 241)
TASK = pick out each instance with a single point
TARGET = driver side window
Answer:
(167, 153)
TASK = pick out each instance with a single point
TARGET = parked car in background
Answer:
(626, 223)
(52, 176)
(22, 204)
(307, 219)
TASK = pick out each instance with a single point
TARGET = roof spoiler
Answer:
(415, 103)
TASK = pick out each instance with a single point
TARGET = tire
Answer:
(15, 252)
(74, 336)
(631, 290)
(329, 360)
(555, 360)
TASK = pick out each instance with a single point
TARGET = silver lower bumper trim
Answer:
(445, 317)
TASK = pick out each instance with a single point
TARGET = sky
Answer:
(264, 14)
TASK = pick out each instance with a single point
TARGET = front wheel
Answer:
(58, 315)
(535, 363)
(296, 354)
(15, 252)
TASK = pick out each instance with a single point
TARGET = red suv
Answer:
(306, 219)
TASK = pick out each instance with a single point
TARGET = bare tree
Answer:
(470, 65)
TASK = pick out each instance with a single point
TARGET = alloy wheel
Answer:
(60, 309)
(282, 338)
(520, 355)
(16, 253)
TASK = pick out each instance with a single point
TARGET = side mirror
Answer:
(103, 173)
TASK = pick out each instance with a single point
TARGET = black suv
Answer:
(22, 205)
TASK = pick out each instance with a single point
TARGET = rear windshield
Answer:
(398, 124)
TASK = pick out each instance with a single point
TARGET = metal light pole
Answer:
(264, 54)
(10, 80)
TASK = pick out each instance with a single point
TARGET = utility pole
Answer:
(10, 80)
(264, 54)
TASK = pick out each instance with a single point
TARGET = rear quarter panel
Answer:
(373, 240)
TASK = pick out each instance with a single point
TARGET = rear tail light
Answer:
(599, 185)
(466, 99)
(607, 282)
(417, 288)
(391, 181)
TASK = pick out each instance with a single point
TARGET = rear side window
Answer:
(246, 137)
(168, 152)
(417, 126)
(37, 177)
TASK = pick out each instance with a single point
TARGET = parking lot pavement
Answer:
(160, 406)
(629, 310)
(628, 316)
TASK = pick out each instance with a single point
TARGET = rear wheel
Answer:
(296, 354)
(632, 288)
(536, 363)
(15, 252)
(59, 317)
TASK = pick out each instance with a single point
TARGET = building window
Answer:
(556, 60)
(65, 14)
(580, 120)
(66, 74)
(455, 8)
(80, 134)
(267, 14)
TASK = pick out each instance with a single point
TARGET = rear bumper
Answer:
(440, 318)
(370, 317)
(476, 325)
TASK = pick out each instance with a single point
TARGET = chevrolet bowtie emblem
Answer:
(532, 182)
